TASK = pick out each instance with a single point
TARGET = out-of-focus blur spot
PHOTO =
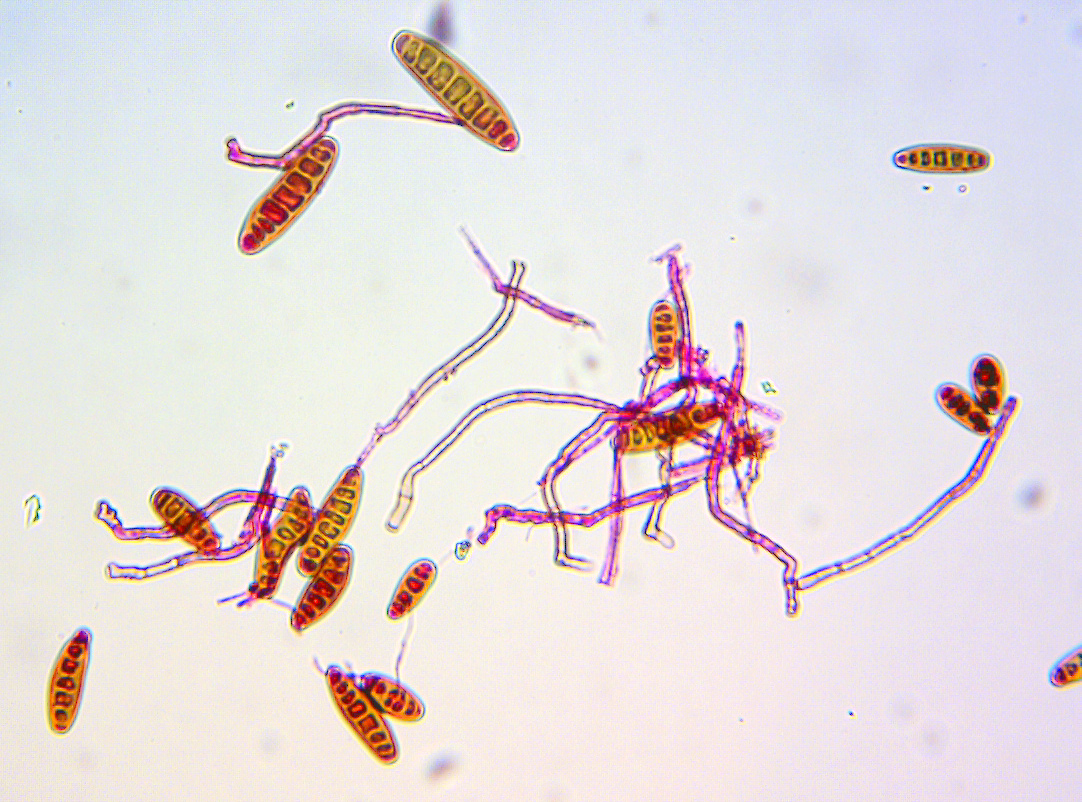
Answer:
(268, 742)
(1034, 497)
(442, 767)
(440, 26)
(587, 364)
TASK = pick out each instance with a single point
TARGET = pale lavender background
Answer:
(140, 348)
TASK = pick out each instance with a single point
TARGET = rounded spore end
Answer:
(1067, 671)
(400, 40)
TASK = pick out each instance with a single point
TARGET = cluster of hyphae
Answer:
(698, 424)
(317, 535)
(708, 419)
